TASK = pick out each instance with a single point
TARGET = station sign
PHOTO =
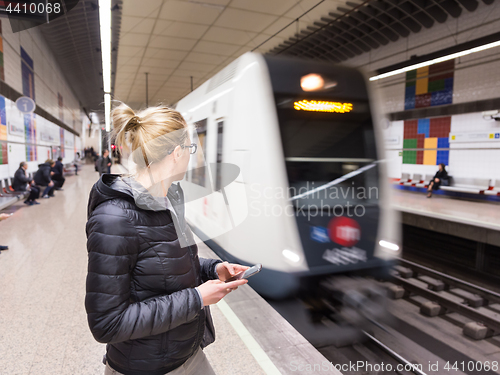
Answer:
(475, 137)
(25, 104)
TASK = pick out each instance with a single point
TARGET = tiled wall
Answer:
(49, 80)
(410, 146)
(51, 92)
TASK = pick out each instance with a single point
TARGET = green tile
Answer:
(410, 143)
(436, 85)
(409, 157)
(411, 75)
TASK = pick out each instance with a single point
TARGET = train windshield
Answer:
(330, 152)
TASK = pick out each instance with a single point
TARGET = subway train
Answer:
(289, 172)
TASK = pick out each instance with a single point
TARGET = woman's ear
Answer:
(177, 152)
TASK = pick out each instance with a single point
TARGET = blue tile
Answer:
(442, 157)
(443, 142)
(409, 103)
(424, 126)
(442, 97)
(410, 92)
(448, 83)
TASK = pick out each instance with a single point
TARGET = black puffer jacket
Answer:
(140, 296)
(42, 176)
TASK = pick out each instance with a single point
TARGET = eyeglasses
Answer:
(192, 148)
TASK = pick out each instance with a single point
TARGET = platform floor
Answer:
(475, 213)
(43, 326)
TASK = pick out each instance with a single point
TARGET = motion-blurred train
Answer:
(308, 197)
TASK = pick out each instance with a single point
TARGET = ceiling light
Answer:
(105, 24)
(437, 60)
(312, 82)
(289, 254)
(107, 111)
(105, 28)
(389, 245)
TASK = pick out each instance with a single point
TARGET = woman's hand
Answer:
(4, 216)
(214, 290)
(436, 179)
(226, 270)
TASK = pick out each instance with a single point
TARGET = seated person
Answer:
(3, 217)
(57, 176)
(22, 183)
(441, 177)
(43, 178)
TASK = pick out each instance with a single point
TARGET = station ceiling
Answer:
(174, 40)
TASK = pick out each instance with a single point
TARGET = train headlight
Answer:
(312, 82)
(290, 255)
(389, 245)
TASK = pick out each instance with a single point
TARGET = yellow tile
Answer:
(430, 157)
(422, 81)
(430, 143)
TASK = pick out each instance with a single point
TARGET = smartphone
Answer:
(246, 274)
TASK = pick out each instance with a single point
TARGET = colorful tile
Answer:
(409, 157)
(430, 142)
(443, 142)
(410, 129)
(440, 127)
(420, 140)
(422, 81)
(410, 143)
(423, 127)
(430, 86)
(422, 101)
(420, 157)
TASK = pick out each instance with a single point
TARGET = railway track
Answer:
(446, 293)
(407, 366)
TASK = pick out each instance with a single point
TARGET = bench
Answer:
(468, 185)
(8, 196)
(425, 182)
(495, 189)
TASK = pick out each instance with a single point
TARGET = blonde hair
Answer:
(146, 130)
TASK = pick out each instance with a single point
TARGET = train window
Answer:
(198, 171)
(218, 177)
(322, 147)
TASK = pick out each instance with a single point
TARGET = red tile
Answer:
(420, 140)
(422, 101)
(440, 127)
(410, 129)
(420, 157)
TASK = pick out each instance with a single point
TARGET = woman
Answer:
(440, 177)
(23, 183)
(147, 291)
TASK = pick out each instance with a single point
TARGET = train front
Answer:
(336, 179)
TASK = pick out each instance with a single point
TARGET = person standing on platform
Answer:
(4, 217)
(75, 163)
(148, 292)
(104, 163)
(22, 183)
(58, 174)
(441, 177)
(43, 178)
